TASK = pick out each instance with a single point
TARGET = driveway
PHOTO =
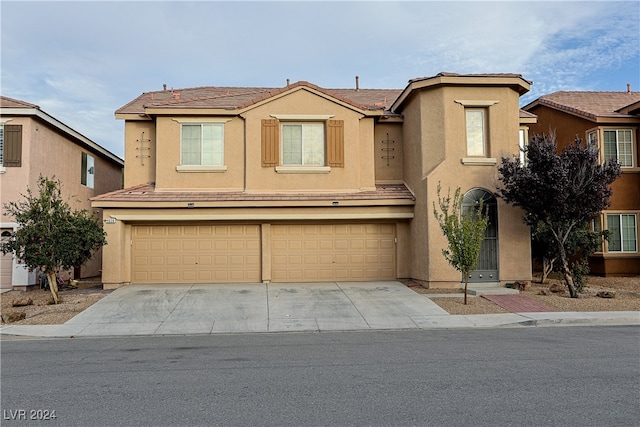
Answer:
(255, 307)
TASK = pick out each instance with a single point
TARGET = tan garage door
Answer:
(6, 265)
(195, 254)
(309, 253)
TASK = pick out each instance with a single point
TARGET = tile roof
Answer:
(589, 104)
(242, 97)
(6, 102)
(148, 193)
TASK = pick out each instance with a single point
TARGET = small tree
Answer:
(464, 232)
(563, 192)
(50, 235)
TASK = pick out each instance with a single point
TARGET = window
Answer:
(476, 131)
(202, 144)
(523, 145)
(618, 145)
(1, 143)
(303, 144)
(10, 145)
(299, 145)
(622, 233)
(87, 170)
(596, 226)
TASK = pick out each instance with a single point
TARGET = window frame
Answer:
(202, 167)
(87, 170)
(597, 135)
(621, 236)
(302, 125)
(484, 134)
(1, 145)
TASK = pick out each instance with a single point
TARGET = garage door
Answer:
(6, 265)
(195, 254)
(309, 253)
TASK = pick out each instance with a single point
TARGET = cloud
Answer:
(82, 60)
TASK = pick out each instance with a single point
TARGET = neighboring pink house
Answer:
(33, 143)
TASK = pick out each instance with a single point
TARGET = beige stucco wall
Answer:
(51, 154)
(389, 169)
(436, 157)
(139, 170)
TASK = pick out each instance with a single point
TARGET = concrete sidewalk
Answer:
(280, 307)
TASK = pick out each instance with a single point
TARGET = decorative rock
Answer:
(521, 285)
(22, 302)
(13, 316)
(606, 294)
(556, 289)
(543, 292)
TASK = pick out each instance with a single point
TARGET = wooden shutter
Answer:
(270, 142)
(12, 156)
(335, 143)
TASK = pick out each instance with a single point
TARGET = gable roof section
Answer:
(590, 105)
(14, 107)
(242, 98)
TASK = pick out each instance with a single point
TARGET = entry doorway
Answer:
(487, 270)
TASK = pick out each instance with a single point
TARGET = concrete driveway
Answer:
(254, 307)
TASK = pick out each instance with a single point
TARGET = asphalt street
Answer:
(571, 376)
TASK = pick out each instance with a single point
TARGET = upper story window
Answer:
(202, 144)
(476, 123)
(10, 145)
(1, 143)
(303, 144)
(87, 170)
(623, 234)
(618, 144)
(522, 144)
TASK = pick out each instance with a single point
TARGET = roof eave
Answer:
(518, 82)
(57, 124)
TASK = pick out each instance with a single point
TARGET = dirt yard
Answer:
(627, 298)
(41, 311)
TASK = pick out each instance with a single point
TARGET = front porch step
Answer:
(479, 289)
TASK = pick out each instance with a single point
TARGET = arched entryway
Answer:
(487, 270)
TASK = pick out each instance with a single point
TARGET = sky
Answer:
(82, 60)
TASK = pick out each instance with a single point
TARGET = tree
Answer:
(561, 191)
(580, 245)
(464, 232)
(51, 236)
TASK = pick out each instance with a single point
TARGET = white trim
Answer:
(475, 102)
(201, 168)
(479, 161)
(310, 117)
(303, 169)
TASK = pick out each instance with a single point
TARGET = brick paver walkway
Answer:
(518, 303)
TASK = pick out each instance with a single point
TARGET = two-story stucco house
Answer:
(33, 143)
(307, 184)
(611, 120)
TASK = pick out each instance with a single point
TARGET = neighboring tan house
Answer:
(32, 143)
(307, 184)
(611, 120)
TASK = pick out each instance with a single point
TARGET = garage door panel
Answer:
(333, 252)
(195, 254)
